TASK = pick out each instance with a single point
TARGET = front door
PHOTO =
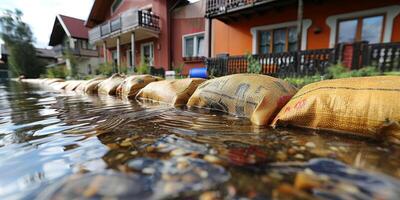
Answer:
(147, 53)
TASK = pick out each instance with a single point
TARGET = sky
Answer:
(40, 14)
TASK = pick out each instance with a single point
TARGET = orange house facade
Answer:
(270, 26)
(130, 32)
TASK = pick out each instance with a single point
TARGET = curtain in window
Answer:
(292, 39)
(200, 46)
(279, 40)
(265, 42)
(189, 47)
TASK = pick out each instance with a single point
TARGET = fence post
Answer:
(365, 53)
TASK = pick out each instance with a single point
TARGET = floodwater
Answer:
(72, 146)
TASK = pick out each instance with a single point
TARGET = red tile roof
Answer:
(76, 27)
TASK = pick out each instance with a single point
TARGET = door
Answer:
(147, 52)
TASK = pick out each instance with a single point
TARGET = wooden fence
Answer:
(385, 56)
(285, 64)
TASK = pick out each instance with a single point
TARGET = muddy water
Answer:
(69, 145)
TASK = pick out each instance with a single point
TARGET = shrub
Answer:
(302, 81)
(105, 69)
(253, 65)
(57, 72)
(143, 68)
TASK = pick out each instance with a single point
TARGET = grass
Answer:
(339, 71)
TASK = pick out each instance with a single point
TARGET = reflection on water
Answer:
(62, 145)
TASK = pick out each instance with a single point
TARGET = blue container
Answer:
(198, 73)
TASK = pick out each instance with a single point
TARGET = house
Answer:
(45, 57)
(265, 27)
(189, 36)
(131, 32)
(69, 39)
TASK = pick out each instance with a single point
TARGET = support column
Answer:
(118, 55)
(299, 23)
(209, 40)
(105, 51)
(133, 50)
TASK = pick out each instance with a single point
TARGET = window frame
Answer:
(113, 4)
(195, 37)
(272, 37)
(359, 19)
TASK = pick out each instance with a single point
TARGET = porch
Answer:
(126, 30)
(384, 56)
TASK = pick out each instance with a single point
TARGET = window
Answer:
(361, 29)
(194, 45)
(84, 44)
(277, 40)
(115, 5)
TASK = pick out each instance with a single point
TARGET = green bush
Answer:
(105, 69)
(57, 72)
(143, 68)
(302, 81)
(339, 71)
(253, 65)
(178, 69)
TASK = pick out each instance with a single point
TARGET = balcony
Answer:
(232, 9)
(60, 51)
(130, 20)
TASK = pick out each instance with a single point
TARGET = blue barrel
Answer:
(198, 73)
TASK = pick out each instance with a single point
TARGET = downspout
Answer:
(170, 10)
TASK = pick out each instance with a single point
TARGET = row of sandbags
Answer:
(366, 106)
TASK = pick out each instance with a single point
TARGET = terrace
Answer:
(143, 23)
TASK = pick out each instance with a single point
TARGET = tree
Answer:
(18, 39)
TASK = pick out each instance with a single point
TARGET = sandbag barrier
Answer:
(366, 106)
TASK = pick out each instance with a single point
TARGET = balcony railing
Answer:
(384, 56)
(60, 51)
(216, 7)
(126, 21)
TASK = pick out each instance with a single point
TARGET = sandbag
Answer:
(109, 86)
(132, 84)
(367, 106)
(59, 85)
(49, 81)
(174, 92)
(92, 86)
(72, 85)
(81, 87)
(254, 96)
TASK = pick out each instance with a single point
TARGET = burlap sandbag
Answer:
(368, 106)
(81, 87)
(109, 86)
(92, 86)
(49, 81)
(174, 92)
(59, 85)
(72, 85)
(133, 84)
(255, 96)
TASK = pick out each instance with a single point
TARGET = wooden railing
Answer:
(148, 20)
(215, 7)
(384, 56)
(287, 64)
